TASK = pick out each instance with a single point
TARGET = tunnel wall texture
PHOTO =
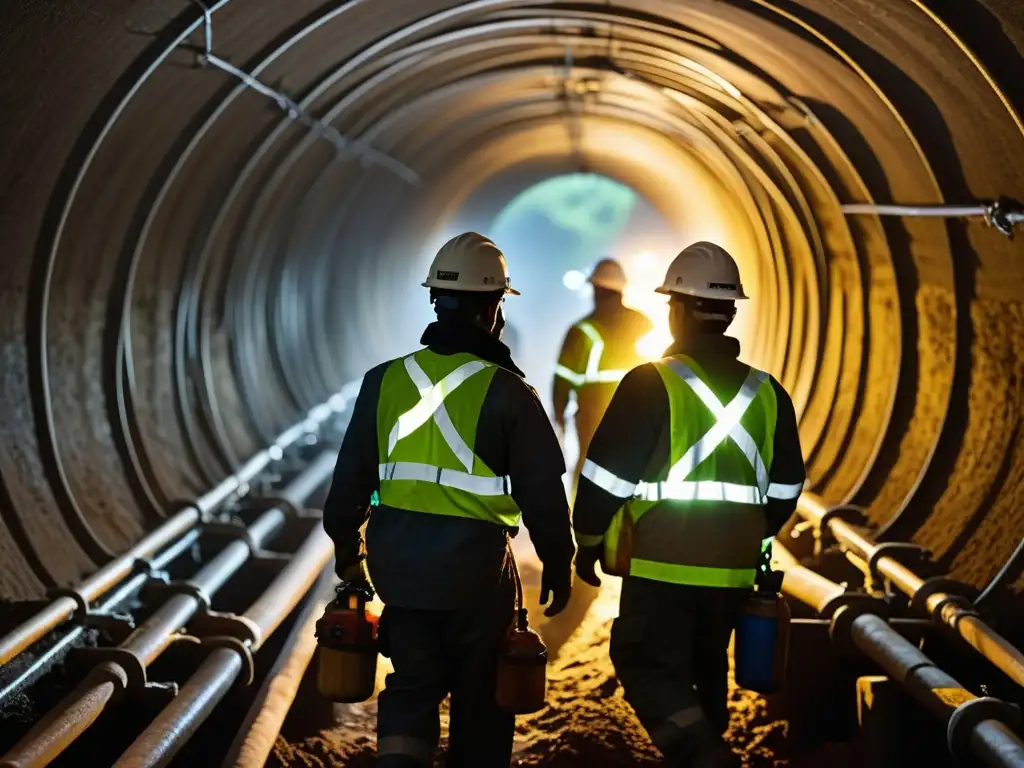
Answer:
(186, 268)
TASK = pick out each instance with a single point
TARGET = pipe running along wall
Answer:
(186, 267)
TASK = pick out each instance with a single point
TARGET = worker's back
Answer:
(439, 558)
(605, 341)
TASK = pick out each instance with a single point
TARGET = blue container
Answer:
(762, 643)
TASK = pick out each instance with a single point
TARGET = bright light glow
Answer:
(574, 280)
(645, 271)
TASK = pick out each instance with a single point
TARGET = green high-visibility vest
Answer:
(593, 373)
(700, 520)
(426, 427)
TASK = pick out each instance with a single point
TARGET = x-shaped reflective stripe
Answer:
(727, 425)
(431, 404)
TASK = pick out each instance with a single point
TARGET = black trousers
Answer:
(436, 653)
(670, 648)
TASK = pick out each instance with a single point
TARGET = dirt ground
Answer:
(586, 723)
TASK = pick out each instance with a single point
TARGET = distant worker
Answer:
(696, 463)
(597, 352)
(455, 447)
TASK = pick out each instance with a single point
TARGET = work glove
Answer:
(557, 591)
(586, 559)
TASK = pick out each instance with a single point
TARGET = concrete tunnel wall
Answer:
(185, 270)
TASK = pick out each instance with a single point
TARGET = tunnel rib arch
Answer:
(189, 268)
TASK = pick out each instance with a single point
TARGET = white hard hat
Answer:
(470, 262)
(705, 270)
(608, 273)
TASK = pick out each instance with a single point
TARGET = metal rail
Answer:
(976, 725)
(125, 667)
(931, 596)
(116, 571)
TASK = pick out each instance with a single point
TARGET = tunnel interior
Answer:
(214, 217)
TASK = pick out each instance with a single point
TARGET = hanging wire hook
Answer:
(1002, 214)
(366, 154)
(207, 27)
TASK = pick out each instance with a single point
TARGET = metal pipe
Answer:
(295, 580)
(63, 608)
(941, 211)
(254, 750)
(803, 583)
(990, 740)
(937, 692)
(179, 721)
(114, 572)
(66, 722)
(172, 728)
(110, 604)
(954, 613)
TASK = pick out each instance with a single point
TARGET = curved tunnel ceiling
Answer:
(187, 268)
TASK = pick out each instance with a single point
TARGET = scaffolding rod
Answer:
(294, 111)
(1003, 214)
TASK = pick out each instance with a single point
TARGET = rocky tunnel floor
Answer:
(587, 721)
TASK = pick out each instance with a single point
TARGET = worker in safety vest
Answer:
(695, 464)
(597, 352)
(455, 448)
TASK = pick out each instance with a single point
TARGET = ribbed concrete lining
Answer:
(249, 270)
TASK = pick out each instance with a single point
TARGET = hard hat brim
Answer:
(721, 295)
(448, 287)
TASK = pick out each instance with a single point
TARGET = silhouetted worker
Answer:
(696, 462)
(456, 445)
(597, 352)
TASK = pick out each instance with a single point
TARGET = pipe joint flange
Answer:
(909, 555)
(968, 715)
(82, 608)
(232, 531)
(953, 609)
(848, 513)
(215, 624)
(241, 648)
(123, 667)
(935, 585)
(843, 611)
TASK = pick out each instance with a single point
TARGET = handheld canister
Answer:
(522, 669)
(762, 635)
(522, 681)
(347, 638)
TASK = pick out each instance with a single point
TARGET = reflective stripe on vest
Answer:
(593, 374)
(431, 408)
(701, 524)
(727, 426)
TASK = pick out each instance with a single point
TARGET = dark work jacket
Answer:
(630, 437)
(439, 562)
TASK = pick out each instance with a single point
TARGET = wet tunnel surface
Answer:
(213, 220)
